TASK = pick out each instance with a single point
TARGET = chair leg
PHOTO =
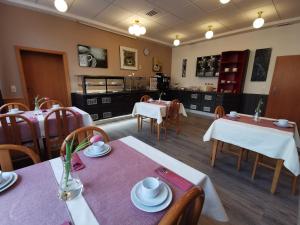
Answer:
(294, 185)
(138, 123)
(257, 159)
(222, 145)
(151, 125)
(241, 151)
(141, 125)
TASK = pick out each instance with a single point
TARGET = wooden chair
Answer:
(219, 113)
(259, 161)
(172, 117)
(82, 133)
(140, 119)
(6, 107)
(187, 210)
(62, 128)
(5, 156)
(11, 128)
(49, 103)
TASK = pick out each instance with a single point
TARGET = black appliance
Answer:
(163, 82)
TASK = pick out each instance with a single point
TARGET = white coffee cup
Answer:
(1, 177)
(97, 147)
(14, 110)
(233, 113)
(55, 106)
(283, 122)
(150, 187)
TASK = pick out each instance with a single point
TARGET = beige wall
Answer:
(283, 41)
(32, 29)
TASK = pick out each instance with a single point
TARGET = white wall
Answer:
(283, 40)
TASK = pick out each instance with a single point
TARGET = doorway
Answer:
(283, 100)
(44, 73)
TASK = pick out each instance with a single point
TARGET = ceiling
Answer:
(187, 18)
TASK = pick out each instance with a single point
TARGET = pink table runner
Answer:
(262, 122)
(157, 102)
(108, 181)
(33, 199)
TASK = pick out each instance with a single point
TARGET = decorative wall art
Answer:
(208, 66)
(184, 62)
(128, 58)
(261, 64)
(156, 65)
(92, 57)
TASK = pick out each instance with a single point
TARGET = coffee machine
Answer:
(163, 82)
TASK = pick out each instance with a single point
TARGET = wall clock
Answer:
(146, 51)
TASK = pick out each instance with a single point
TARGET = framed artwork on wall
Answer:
(92, 57)
(156, 65)
(261, 64)
(184, 62)
(208, 66)
(128, 58)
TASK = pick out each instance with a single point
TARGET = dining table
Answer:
(155, 110)
(107, 184)
(262, 136)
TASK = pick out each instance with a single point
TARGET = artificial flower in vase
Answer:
(37, 102)
(70, 186)
(160, 95)
(258, 110)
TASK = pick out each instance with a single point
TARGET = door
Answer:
(44, 75)
(284, 97)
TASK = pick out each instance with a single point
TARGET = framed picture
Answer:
(208, 66)
(184, 62)
(92, 57)
(261, 64)
(128, 58)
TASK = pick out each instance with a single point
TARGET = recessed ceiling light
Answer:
(61, 5)
(259, 21)
(209, 34)
(176, 42)
(224, 1)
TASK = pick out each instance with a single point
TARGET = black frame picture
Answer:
(92, 57)
(208, 66)
(261, 64)
(184, 62)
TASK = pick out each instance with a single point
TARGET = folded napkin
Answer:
(66, 223)
(173, 178)
(76, 162)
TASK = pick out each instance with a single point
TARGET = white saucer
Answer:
(87, 152)
(237, 116)
(18, 112)
(14, 179)
(7, 177)
(152, 209)
(160, 198)
(279, 125)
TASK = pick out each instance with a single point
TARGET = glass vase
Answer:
(70, 186)
(256, 117)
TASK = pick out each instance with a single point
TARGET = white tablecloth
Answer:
(154, 111)
(212, 207)
(271, 142)
(86, 120)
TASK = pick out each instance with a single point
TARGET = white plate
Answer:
(279, 125)
(7, 176)
(160, 198)
(88, 154)
(237, 116)
(152, 209)
(18, 112)
(14, 179)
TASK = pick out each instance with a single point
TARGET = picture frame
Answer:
(184, 63)
(92, 57)
(261, 64)
(128, 58)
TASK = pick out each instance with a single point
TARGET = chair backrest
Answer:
(6, 107)
(145, 98)
(14, 127)
(57, 125)
(187, 210)
(219, 112)
(49, 103)
(84, 132)
(173, 110)
(5, 159)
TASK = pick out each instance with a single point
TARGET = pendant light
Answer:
(224, 1)
(137, 29)
(209, 34)
(259, 21)
(61, 5)
(176, 42)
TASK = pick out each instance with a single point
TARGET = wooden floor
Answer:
(246, 202)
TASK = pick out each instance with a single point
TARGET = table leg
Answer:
(151, 125)
(276, 176)
(138, 122)
(158, 132)
(214, 152)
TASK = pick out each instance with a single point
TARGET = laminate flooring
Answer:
(246, 202)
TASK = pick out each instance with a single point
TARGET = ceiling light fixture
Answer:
(224, 1)
(259, 21)
(209, 34)
(61, 5)
(176, 42)
(137, 29)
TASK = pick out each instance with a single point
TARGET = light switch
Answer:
(13, 88)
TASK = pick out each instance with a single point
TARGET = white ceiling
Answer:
(187, 18)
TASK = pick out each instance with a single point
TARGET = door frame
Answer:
(18, 50)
